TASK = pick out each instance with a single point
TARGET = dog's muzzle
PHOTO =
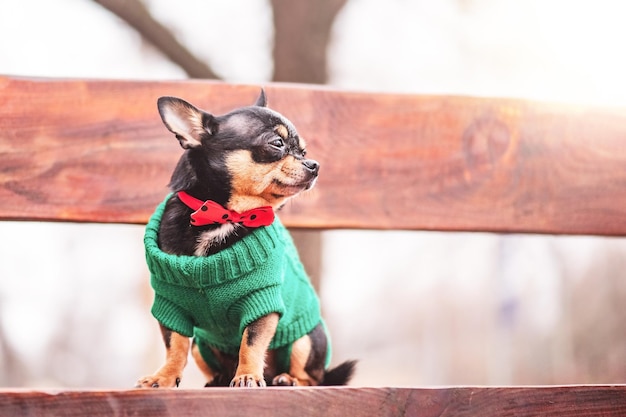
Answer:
(313, 167)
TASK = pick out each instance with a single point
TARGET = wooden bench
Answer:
(93, 151)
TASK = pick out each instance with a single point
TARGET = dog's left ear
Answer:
(186, 121)
(262, 100)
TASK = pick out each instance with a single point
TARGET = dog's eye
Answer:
(278, 143)
(303, 152)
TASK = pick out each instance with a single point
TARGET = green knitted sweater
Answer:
(214, 298)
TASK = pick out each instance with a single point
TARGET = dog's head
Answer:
(252, 156)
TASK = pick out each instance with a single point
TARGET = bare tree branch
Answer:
(135, 13)
(303, 29)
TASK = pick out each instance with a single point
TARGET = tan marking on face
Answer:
(282, 131)
(302, 143)
(262, 184)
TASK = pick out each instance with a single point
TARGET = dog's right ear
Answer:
(185, 120)
(262, 100)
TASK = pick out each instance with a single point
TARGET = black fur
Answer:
(339, 375)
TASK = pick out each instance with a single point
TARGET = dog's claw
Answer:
(285, 380)
(158, 381)
(248, 381)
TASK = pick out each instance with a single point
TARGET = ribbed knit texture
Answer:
(215, 297)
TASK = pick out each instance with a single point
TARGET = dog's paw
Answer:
(158, 381)
(285, 380)
(248, 380)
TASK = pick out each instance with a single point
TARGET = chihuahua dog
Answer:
(225, 271)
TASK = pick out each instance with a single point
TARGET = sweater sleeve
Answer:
(172, 316)
(258, 304)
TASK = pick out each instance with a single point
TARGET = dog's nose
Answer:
(312, 166)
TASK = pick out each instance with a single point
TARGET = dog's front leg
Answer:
(176, 352)
(256, 339)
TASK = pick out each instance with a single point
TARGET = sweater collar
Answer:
(258, 249)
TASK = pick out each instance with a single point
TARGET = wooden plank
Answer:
(562, 401)
(90, 150)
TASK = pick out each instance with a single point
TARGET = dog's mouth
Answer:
(289, 189)
(292, 181)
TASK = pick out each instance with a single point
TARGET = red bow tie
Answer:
(209, 212)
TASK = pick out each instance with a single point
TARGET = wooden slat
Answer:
(569, 401)
(88, 150)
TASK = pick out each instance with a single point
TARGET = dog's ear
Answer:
(262, 100)
(186, 121)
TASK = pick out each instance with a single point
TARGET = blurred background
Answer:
(416, 308)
